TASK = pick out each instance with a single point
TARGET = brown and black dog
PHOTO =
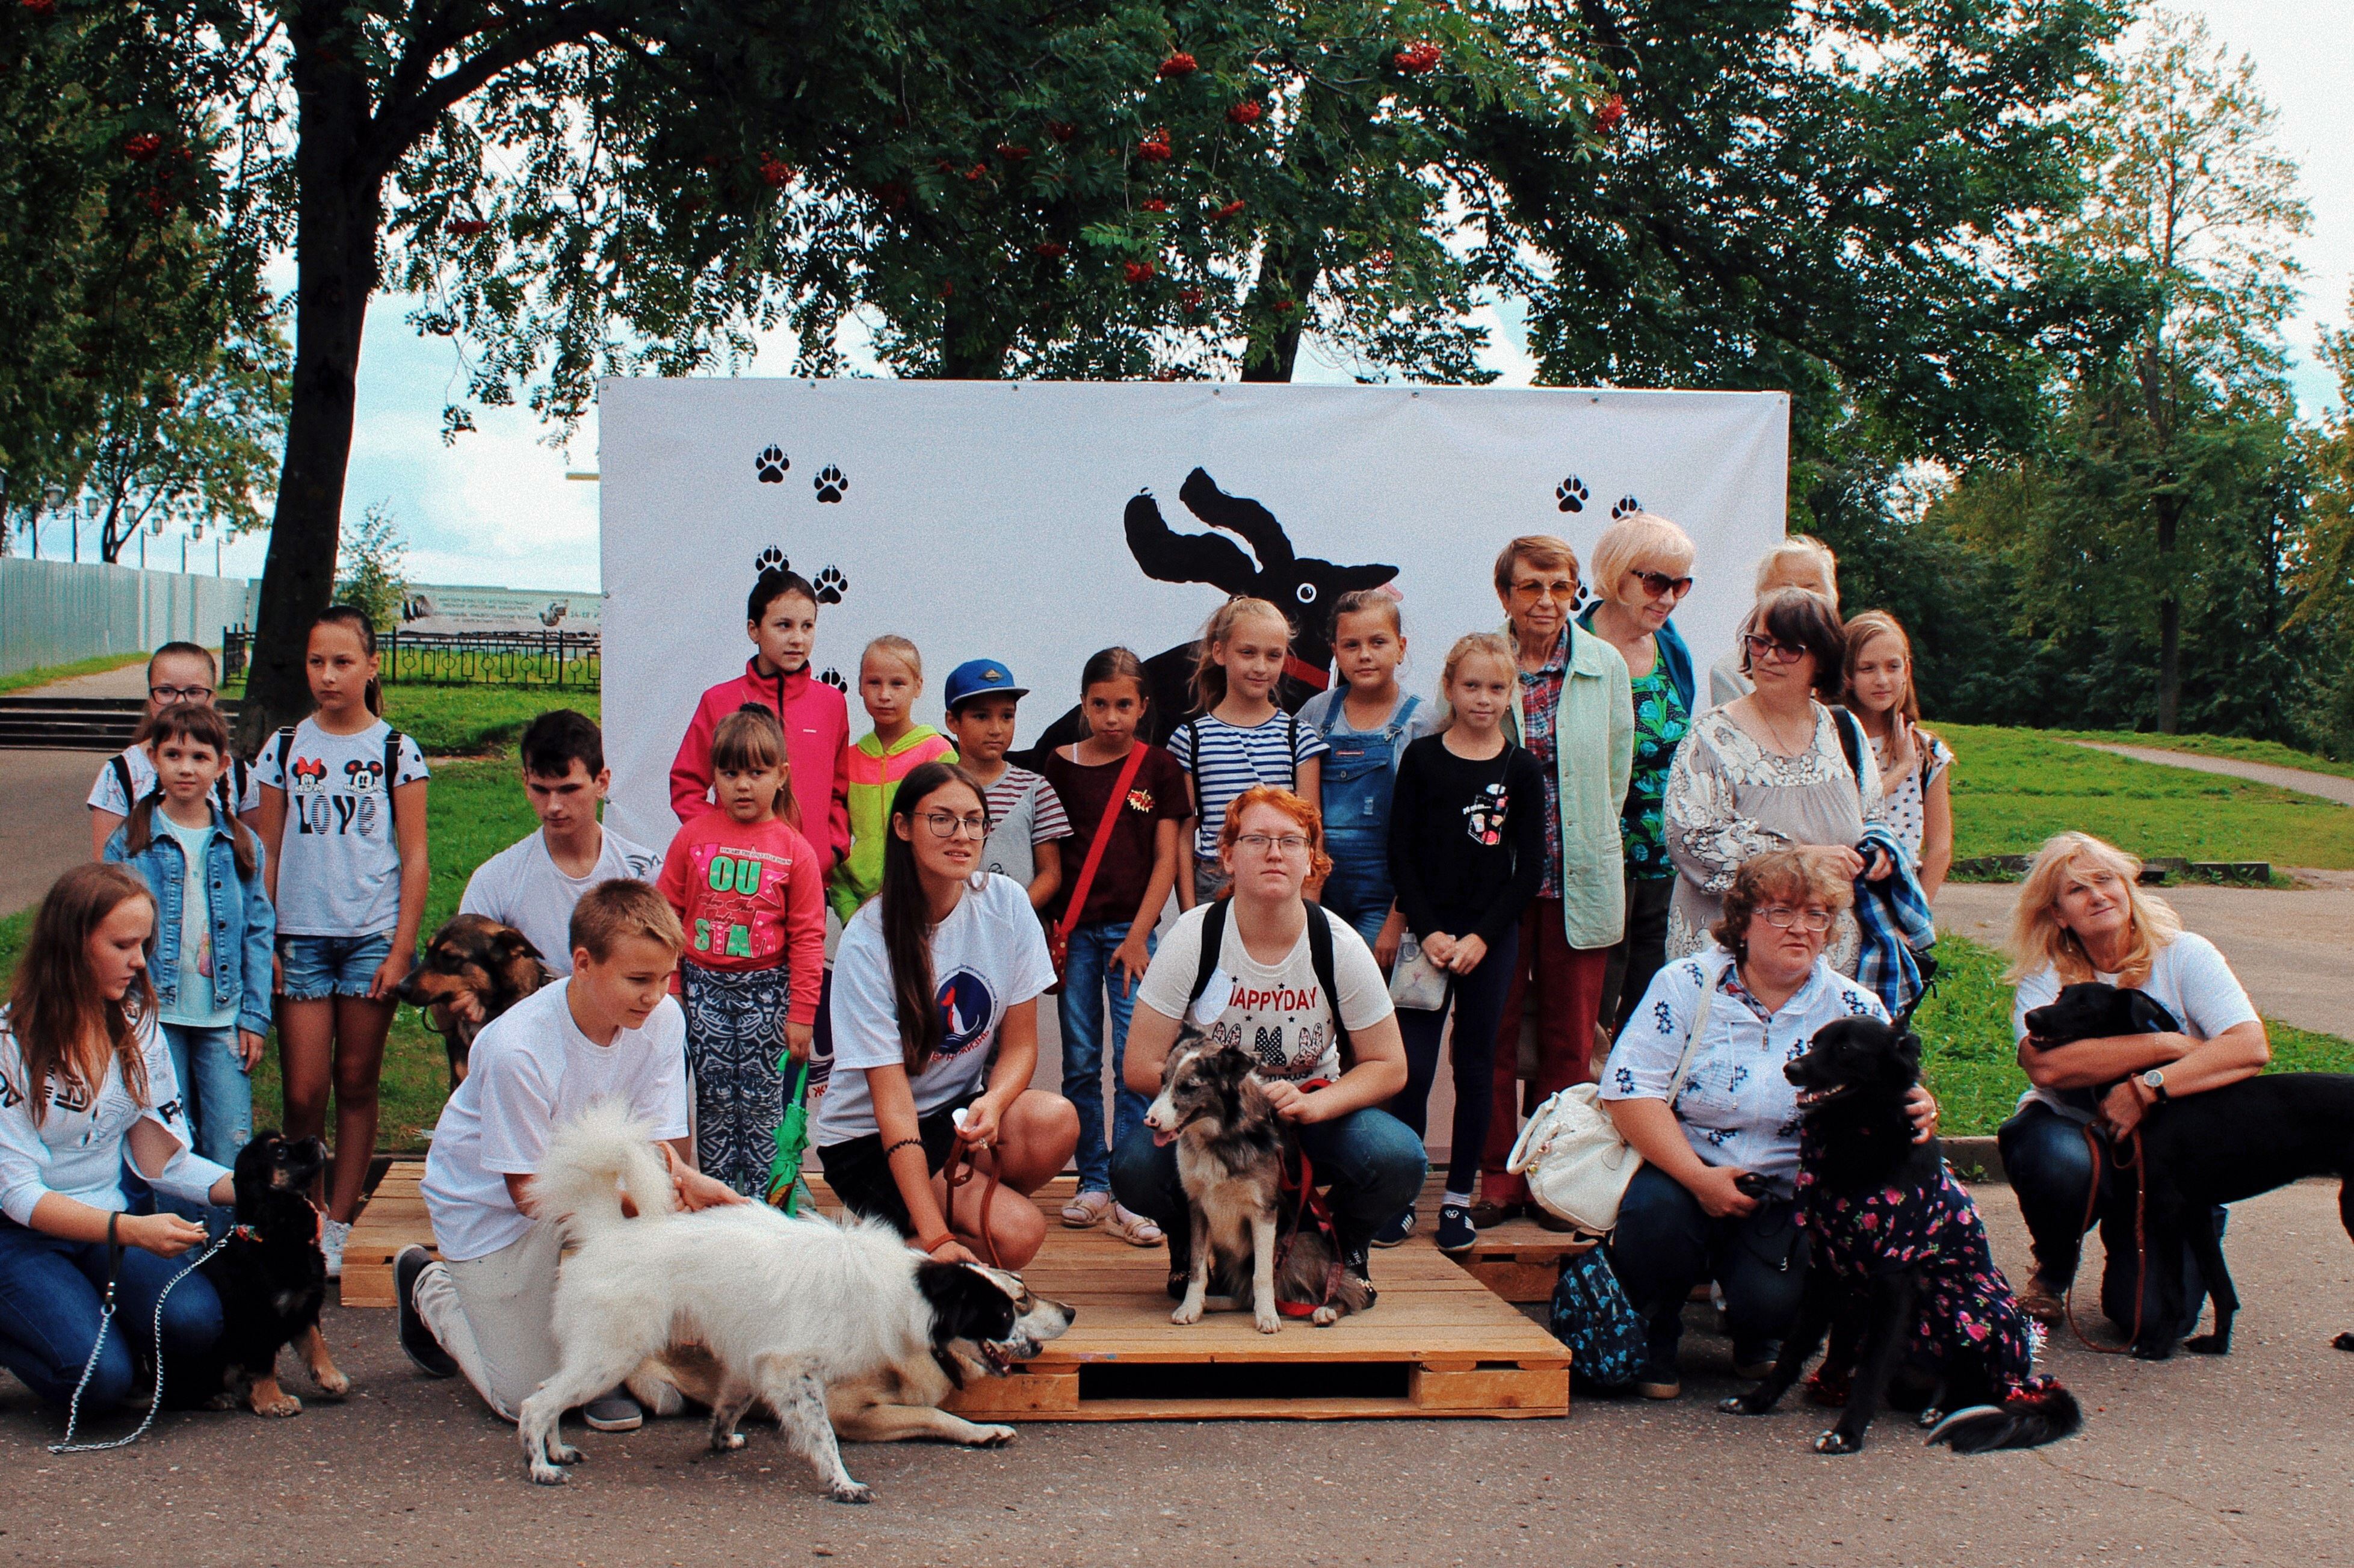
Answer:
(472, 959)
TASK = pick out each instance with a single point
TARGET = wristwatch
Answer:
(2155, 1081)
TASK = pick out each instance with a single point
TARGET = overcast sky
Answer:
(496, 508)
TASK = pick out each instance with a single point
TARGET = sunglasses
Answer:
(1659, 585)
(1763, 650)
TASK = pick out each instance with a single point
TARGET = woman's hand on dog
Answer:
(695, 1190)
(1922, 1107)
(1715, 1187)
(2122, 1106)
(1294, 1105)
(948, 1249)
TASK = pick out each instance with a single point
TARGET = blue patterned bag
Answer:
(1592, 1316)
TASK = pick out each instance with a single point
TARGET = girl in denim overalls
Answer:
(1367, 725)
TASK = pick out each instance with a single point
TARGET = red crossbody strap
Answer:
(1085, 884)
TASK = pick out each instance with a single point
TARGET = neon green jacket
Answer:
(874, 774)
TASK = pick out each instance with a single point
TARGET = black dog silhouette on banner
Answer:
(1302, 587)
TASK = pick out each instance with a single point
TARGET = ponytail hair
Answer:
(905, 914)
(201, 723)
(356, 620)
(1209, 675)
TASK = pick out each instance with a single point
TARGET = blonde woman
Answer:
(2082, 915)
(1800, 561)
(1642, 569)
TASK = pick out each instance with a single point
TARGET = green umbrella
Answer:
(786, 1189)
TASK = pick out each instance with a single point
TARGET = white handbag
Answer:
(1417, 982)
(1576, 1164)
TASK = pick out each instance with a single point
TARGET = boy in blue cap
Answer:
(1025, 815)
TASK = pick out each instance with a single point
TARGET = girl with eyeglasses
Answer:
(935, 989)
(1642, 570)
(1775, 769)
(749, 891)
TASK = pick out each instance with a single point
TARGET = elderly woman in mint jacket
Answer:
(1573, 712)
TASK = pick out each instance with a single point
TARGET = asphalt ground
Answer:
(2244, 1460)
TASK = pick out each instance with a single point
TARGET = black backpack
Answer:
(1319, 956)
(229, 789)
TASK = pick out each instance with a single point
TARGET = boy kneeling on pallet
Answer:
(611, 1030)
(1268, 971)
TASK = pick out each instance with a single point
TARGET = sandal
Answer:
(1134, 1228)
(1086, 1211)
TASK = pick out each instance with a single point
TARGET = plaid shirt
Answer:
(1896, 924)
(1540, 706)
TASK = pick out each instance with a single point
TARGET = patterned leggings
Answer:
(735, 1034)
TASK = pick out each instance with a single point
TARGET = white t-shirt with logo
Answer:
(533, 1071)
(523, 887)
(106, 792)
(339, 863)
(2190, 979)
(988, 955)
(80, 1145)
(1276, 1012)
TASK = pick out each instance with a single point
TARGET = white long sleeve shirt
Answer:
(77, 1151)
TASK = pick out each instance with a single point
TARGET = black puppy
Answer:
(2215, 1147)
(272, 1280)
(1886, 1223)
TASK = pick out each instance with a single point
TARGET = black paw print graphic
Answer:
(770, 465)
(830, 584)
(833, 677)
(1624, 506)
(770, 560)
(1572, 494)
(830, 483)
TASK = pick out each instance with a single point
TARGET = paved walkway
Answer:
(2191, 1461)
(44, 827)
(2293, 950)
(2328, 786)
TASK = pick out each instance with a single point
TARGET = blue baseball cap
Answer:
(981, 678)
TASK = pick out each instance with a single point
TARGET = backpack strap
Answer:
(285, 750)
(1214, 936)
(123, 778)
(1319, 956)
(1191, 730)
(1851, 733)
(391, 771)
(1291, 745)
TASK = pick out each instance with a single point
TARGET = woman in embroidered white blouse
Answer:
(86, 1081)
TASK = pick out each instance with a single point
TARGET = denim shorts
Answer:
(317, 968)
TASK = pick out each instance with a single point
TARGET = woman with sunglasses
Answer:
(1775, 769)
(1642, 569)
(936, 992)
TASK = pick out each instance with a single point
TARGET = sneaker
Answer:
(416, 1339)
(1653, 1386)
(614, 1411)
(2040, 1302)
(332, 1237)
(1488, 1215)
(1456, 1231)
(1396, 1231)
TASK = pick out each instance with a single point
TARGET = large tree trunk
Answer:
(2169, 624)
(339, 207)
(1278, 281)
(972, 344)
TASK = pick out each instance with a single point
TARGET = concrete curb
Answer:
(1979, 1154)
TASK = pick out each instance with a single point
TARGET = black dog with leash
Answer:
(2216, 1147)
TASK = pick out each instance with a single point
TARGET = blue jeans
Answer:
(1373, 1162)
(50, 1295)
(1477, 1000)
(1089, 987)
(1358, 890)
(2051, 1169)
(214, 1082)
(1666, 1244)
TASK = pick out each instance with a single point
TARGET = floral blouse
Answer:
(1966, 1302)
(1905, 806)
(1660, 723)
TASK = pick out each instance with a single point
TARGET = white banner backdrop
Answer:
(986, 519)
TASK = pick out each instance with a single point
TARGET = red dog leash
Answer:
(1312, 1205)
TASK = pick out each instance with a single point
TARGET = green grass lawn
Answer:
(2013, 789)
(41, 676)
(467, 721)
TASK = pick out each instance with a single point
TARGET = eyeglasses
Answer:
(181, 693)
(948, 824)
(1764, 649)
(1781, 916)
(1560, 587)
(1289, 843)
(1659, 585)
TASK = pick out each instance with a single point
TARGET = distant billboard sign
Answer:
(467, 608)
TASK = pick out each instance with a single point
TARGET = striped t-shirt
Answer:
(1225, 759)
(1023, 813)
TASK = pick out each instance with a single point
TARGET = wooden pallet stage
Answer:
(1439, 1343)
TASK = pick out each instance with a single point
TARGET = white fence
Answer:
(55, 612)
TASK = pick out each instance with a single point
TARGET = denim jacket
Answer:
(244, 925)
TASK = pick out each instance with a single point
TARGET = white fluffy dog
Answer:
(786, 1307)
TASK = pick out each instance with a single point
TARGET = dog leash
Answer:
(962, 1169)
(1311, 1204)
(115, 1250)
(2141, 1234)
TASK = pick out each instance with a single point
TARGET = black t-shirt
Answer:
(1156, 795)
(1467, 839)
